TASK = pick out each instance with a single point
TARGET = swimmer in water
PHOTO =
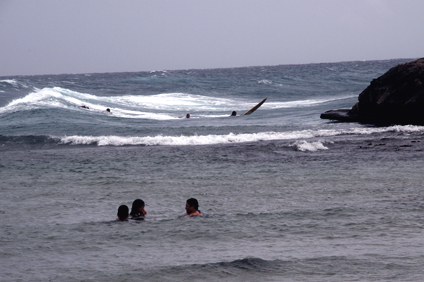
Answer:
(122, 213)
(192, 208)
(233, 114)
(186, 116)
(137, 210)
(84, 107)
(108, 111)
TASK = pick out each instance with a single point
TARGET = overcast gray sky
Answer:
(86, 36)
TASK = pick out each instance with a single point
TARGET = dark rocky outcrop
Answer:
(397, 97)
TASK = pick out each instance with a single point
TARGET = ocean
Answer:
(285, 195)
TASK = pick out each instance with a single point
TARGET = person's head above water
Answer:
(233, 114)
(137, 208)
(192, 202)
(122, 213)
(186, 116)
(192, 207)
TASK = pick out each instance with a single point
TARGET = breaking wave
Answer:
(212, 139)
(162, 106)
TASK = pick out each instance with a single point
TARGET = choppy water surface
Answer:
(285, 196)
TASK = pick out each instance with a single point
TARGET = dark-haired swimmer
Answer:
(122, 213)
(233, 114)
(186, 116)
(192, 208)
(137, 210)
(108, 111)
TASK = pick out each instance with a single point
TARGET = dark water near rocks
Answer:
(285, 195)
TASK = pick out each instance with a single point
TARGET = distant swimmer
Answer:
(192, 208)
(137, 210)
(108, 111)
(122, 213)
(233, 114)
(85, 107)
(186, 116)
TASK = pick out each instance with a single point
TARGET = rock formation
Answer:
(397, 97)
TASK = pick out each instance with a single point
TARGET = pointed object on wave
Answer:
(254, 108)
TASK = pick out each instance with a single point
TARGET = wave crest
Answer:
(304, 146)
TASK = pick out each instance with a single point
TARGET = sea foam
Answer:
(211, 139)
(304, 146)
(145, 106)
(13, 82)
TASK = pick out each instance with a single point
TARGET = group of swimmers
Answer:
(233, 114)
(85, 107)
(138, 212)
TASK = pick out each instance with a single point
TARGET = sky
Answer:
(98, 36)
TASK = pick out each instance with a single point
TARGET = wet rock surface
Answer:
(397, 97)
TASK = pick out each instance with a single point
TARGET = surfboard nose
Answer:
(255, 107)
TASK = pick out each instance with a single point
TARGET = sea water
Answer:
(285, 195)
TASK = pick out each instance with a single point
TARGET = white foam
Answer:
(301, 145)
(13, 82)
(265, 81)
(47, 98)
(174, 101)
(302, 103)
(169, 105)
(175, 140)
(126, 106)
(393, 128)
